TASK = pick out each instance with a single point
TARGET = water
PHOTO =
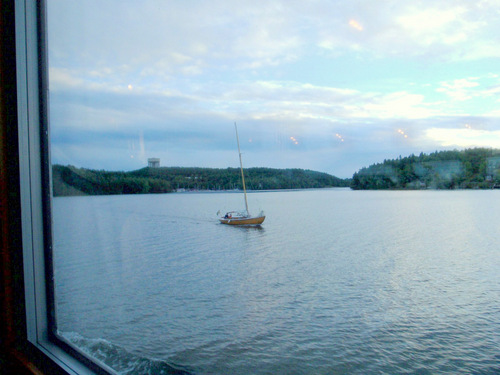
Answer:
(334, 282)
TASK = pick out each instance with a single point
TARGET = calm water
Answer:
(335, 281)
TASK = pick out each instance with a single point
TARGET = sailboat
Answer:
(236, 217)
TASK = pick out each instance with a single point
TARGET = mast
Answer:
(241, 167)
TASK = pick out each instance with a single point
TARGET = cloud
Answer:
(432, 25)
(435, 30)
(187, 38)
(465, 138)
(459, 89)
(169, 79)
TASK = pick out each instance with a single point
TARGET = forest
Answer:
(70, 180)
(475, 168)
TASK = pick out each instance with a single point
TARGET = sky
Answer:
(326, 85)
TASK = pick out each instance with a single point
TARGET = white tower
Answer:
(153, 162)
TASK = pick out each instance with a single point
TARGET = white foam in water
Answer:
(118, 358)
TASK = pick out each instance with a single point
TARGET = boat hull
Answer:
(243, 220)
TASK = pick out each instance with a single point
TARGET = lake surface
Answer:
(334, 282)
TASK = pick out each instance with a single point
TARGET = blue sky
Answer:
(326, 85)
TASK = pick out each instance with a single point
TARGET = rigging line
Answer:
(241, 166)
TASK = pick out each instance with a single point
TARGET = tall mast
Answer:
(241, 167)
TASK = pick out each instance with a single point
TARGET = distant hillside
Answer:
(69, 180)
(477, 168)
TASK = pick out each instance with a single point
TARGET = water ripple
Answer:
(335, 282)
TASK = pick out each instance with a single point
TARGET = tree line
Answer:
(70, 180)
(476, 168)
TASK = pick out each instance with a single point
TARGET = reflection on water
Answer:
(333, 281)
(258, 228)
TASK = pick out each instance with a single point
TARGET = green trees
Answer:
(69, 180)
(229, 178)
(471, 168)
(80, 181)
(467, 169)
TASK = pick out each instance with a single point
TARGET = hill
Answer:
(69, 180)
(477, 168)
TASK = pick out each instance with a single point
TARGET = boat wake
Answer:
(119, 359)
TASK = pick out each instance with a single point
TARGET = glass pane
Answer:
(365, 236)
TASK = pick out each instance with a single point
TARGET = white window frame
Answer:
(35, 191)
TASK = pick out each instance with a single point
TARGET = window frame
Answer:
(35, 192)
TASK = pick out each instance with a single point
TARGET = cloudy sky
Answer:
(327, 85)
